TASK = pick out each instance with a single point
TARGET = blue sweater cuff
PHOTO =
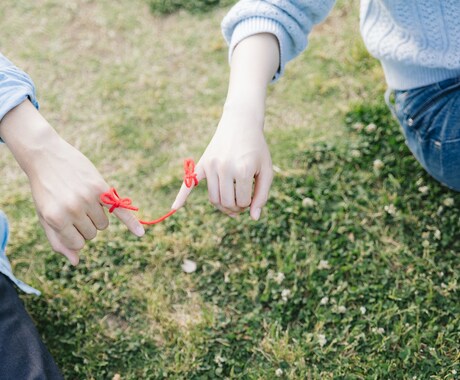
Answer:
(257, 25)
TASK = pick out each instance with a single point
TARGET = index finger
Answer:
(185, 191)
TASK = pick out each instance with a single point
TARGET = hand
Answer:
(65, 184)
(236, 159)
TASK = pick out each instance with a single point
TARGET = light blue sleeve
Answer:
(289, 20)
(15, 87)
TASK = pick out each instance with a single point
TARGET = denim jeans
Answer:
(430, 120)
(23, 355)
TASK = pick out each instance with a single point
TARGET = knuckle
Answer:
(243, 171)
(54, 218)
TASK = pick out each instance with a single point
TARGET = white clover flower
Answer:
(390, 209)
(308, 202)
(324, 264)
(378, 164)
(279, 372)
(285, 294)
(437, 234)
(449, 202)
(324, 301)
(454, 372)
(378, 330)
(371, 128)
(362, 309)
(425, 243)
(342, 309)
(358, 126)
(425, 235)
(355, 153)
(219, 360)
(279, 278)
(322, 340)
(424, 189)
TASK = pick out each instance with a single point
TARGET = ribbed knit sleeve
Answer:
(290, 21)
(15, 87)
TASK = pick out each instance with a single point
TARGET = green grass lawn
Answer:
(352, 271)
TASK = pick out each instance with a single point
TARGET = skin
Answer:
(237, 163)
(65, 184)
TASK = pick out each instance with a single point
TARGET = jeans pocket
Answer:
(433, 98)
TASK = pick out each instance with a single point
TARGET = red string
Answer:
(112, 198)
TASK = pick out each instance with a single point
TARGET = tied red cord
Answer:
(112, 198)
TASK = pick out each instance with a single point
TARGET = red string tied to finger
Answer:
(112, 198)
(190, 177)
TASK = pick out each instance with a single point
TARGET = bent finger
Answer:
(263, 182)
(243, 192)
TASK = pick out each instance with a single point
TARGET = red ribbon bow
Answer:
(111, 197)
(190, 175)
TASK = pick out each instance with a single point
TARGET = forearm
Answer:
(255, 61)
(27, 134)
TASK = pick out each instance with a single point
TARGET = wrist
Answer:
(28, 135)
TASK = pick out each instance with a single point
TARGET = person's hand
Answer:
(65, 184)
(236, 159)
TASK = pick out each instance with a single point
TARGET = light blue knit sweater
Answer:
(417, 41)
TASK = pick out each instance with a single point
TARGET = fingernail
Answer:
(256, 213)
(139, 230)
(232, 215)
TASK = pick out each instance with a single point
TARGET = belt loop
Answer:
(390, 105)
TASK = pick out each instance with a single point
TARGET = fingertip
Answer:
(73, 258)
(139, 230)
(255, 213)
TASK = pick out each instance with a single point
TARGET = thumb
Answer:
(262, 185)
(185, 191)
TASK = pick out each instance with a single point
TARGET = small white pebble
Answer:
(362, 309)
(189, 266)
(279, 372)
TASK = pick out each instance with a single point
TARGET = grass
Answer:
(352, 273)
